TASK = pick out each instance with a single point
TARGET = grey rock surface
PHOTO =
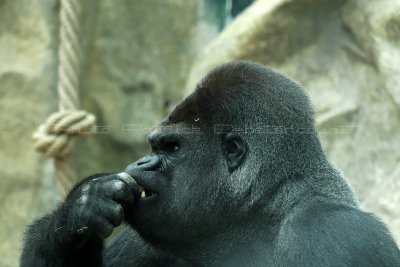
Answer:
(26, 73)
(137, 57)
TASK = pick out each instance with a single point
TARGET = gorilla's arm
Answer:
(46, 244)
(128, 246)
(127, 249)
(328, 235)
(73, 234)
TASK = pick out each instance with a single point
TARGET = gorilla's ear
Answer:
(235, 150)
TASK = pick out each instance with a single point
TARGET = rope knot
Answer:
(57, 136)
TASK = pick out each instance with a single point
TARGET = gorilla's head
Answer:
(220, 157)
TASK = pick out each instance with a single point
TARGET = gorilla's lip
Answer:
(146, 196)
(148, 186)
(144, 192)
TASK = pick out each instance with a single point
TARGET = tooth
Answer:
(143, 194)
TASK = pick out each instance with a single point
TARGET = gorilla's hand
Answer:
(95, 206)
(73, 234)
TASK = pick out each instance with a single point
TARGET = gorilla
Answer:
(236, 177)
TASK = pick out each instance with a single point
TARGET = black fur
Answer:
(239, 179)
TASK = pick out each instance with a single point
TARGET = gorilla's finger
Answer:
(128, 180)
(122, 193)
(102, 227)
(114, 213)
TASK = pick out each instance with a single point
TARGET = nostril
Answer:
(151, 163)
(144, 164)
(143, 161)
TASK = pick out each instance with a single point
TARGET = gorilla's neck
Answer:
(321, 182)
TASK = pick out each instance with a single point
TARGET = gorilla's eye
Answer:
(165, 143)
(171, 146)
(167, 147)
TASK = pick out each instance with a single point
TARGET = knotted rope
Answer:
(57, 136)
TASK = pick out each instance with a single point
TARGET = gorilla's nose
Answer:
(146, 163)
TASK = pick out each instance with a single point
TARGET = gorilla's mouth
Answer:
(145, 193)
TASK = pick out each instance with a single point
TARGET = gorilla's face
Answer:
(183, 184)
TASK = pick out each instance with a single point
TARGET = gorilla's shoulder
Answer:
(337, 235)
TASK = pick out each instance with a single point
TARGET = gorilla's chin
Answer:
(158, 226)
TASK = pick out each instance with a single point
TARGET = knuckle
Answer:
(101, 226)
(85, 188)
(118, 185)
(119, 189)
(119, 216)
(118, 210)
(116, 215)
(83, 199)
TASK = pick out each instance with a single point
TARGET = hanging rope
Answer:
(57, 136)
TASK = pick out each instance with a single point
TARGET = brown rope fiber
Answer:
(57, 136)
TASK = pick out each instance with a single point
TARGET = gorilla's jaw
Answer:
(193, 227)
(185, 225)
(197, 242)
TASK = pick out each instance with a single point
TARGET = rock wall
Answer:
(346, 54)
(137, 57)
(27, 61)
